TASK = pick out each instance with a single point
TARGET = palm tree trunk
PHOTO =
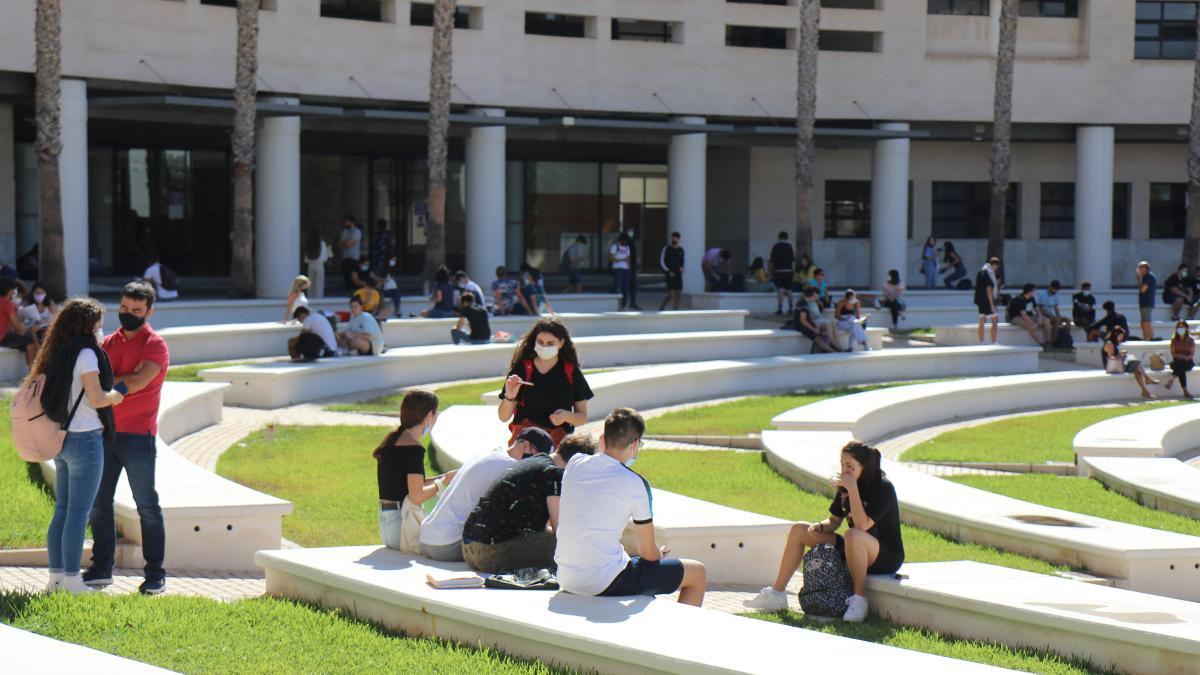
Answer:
(245, 98)
(806, 117)
(1191, 242)
(52, 268)
(1002, 127)
(441, 69)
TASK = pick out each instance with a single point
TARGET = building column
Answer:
(889, 205)
(485, 183)
(687, 167)
(1094, 147)
(8, 187)
(73, 174)
(277, 205)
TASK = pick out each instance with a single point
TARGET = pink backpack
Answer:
(36, 437)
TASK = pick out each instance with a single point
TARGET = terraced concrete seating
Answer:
(608, 635)
(26, 652)
(223, 342)
(737, 547)
(12, 365)
(277, 384)
(1137, 558)
(211, 523)
(1130, 632)
(1161, 432)
(1088, 353)
(967, 333)
(1161, 483)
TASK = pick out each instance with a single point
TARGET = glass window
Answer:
(764, 2)
(1121, 210)
(847, 41)
(847, 209)
(1050, 8)
(1165, 30)
(850, 4)
(559, 25)
(756, 36)
(959, 7)
(1058, 210)
(421, 14)
(561, 203)
(641, 31)
(363, 10)
(961, 210)
(1168, 210)
(220, 3)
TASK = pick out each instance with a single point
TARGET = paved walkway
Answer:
(215, 585)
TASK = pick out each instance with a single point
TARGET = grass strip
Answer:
(28, 504)
(468, 393)
(190, 372)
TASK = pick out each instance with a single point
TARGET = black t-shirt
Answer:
(783, 256)
(983, 281)
(516, 502)
(1083, 303)
(393, 468)
(551, 391)
(1019, 304)
(879, 501)
(1146, 299)
(477, 317)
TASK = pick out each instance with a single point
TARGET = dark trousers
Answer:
(349, 265)
(621, 285)
(135, 454)
(1181, 367)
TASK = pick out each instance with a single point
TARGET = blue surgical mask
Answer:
(425, 429)
(629, 462)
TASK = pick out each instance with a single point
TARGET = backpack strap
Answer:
(74, 409)
(569, 369)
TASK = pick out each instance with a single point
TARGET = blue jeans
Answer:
(929, 269)
(394, 294)
(77, 477)
(461, 336)
(135, 454)
(958, 273)
(621, 285)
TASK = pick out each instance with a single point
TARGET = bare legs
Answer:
(799, 538)
(695, 580)
(861, 550)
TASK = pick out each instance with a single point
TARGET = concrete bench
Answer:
(277, 384)
(211, 523)
(12, 365)
(967, 333)
(1162, 483)
(738, 547)
(1136, 558)
(1161, 432)
(198, 344)
(1131, 632)
(608, 635)
(26, 652)
(1088, 353)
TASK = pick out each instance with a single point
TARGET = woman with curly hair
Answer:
(545, 387)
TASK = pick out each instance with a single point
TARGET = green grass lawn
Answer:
(263, 635)
(326, 472)
(27, 505)
(1081, 495)
(191, 371)
(1034, 438)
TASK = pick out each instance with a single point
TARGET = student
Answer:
(818, 282)
(534, 290)
(369, 296)
(620, 256)
(1022, 311)
(513, 524)
(872, 543)
(849, 315)
(893, 289)
(38, 311)
(716, 266)
(381, 240)
(571, 264)
(350, 250)
(805, 271)
(929, 266)
(362, 334)
(1117, 361)
(400, 473)
(1180, 291)
(1147, 285)
(600, 494)
(507, 295)
(783, 266)
(14, 334)
(316, 254)
(79, 387)
(810, 329)
(316, 339)
(163, 278)
(463, 284)
(296, 297)
(470, 313)
(1183, 357)
(1047, 308)
(633, 269)
(1106, 324)
(442, 531)
(825, 325)
(140, 359)
(545, 386)
(1083, 306)
(758, 280)
(954, 262)
(671, 262)
(986, 297)
(443, 296)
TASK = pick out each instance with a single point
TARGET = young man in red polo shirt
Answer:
(139, 361)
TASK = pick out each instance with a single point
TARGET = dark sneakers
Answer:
(152, 586)
(96, 578)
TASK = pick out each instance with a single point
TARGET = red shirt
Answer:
(138, 413)
(7, 309)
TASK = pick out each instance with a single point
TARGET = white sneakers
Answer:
(856, 609)
(768, 599)
(55, 582)
(73, 584)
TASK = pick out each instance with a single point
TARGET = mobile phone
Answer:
(121, 387)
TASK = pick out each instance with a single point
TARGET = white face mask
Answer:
(1086, 293)
(1181, 332)
(545, 352)
(99, 335)
(17, 299)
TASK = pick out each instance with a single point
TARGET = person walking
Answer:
(350, 249)
(954, 262)
(783, 264)
(78, 395)
(619, 254)
(929, 264)
(1183, 357)
(1147, 285)
(671, 262)
(140, 359)
(316, 254)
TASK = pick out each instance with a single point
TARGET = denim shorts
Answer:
(641, 577)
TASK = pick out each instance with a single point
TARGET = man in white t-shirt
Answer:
(442, 531)
(154, 275)
(316, 339)
(599, 496)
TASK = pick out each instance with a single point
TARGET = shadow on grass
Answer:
(37, 479)
(13, 604)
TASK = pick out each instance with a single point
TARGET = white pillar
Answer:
(277, 206)
(8, 187)
(889, 205)
(73, 173)
(1094, 148)
(687, 168)
(485, 181)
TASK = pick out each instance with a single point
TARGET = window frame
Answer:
(1181, 32)
(1161, 225)
(462, 16)
(742, 36)
(1071, 9)
(976, 211)
(859, 215)
(548, 19)
(350, 13)
(951, 8)
(666, 37)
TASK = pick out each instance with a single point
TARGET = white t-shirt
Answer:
(301, 301)
(86, 418)
(321, 257)
(599, 496)
(154, 273)
(444, 525)
(620, 258)
(315, 323)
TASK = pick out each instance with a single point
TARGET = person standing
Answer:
(316, 254)
(671, 262)
(633, 270)
(621, 257)
(929, 264)
(783, 265)
(571, 264)
(1147, 285)
(350, 248)
(985, 297)
(545, 386)
(140, 359)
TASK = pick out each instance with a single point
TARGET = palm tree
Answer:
(441, 69)
(52, 267)
(1002, 127)
(1191, 242)
(245, 98)
(806, 117)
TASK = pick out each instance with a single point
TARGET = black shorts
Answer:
(806, 331)
(985, 310)
(18, 341)
(641, 577)
(887, 562)
(674, 281)
(782, 280)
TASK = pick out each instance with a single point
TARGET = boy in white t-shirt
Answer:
(599, 496)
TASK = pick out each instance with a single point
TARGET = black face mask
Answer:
(130, 322)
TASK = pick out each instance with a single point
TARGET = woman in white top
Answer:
(39, 308)
(893, 288)
(618, 255)
(850, 320)
(296, 297)
(316, 253)
(78, 379)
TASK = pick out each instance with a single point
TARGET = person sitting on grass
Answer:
(1117, 361)
(1183, 357)
(442, 531)
(477, 317)
(1023, 312)
(513, 524)
(600, 494)
(400, 472)
(1107, 323)
(872, 543)
(362, 335)
(316, 339)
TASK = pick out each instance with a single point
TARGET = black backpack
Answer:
(964, 285)
(1064, 340)
(170, 281)
(827, 583)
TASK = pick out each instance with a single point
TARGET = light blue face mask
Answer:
(629, 462)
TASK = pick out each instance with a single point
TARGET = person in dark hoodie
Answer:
(78, 395)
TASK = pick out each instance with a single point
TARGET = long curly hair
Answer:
(78, 317)
(547, 324)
